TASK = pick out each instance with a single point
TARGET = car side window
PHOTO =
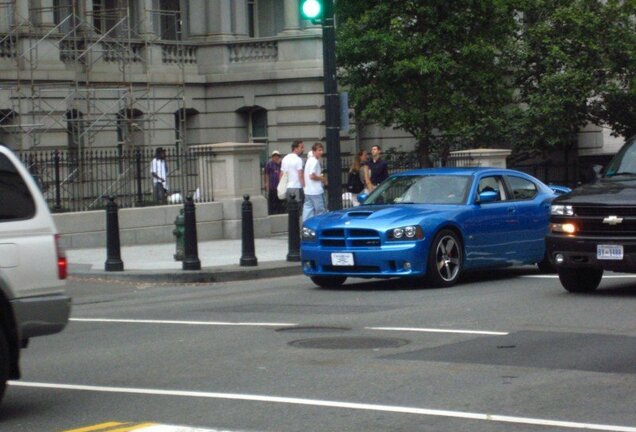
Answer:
(522, 189)
(16, 201)
(492, 184)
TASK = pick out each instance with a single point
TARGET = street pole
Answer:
(332, 111)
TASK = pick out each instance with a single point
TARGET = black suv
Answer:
(593, 228)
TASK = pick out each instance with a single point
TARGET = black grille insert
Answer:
(354, 237)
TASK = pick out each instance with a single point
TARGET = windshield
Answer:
(421, 189)
(624, 163)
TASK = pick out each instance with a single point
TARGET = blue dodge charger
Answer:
(433, 224)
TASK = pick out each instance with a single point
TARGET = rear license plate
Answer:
(609, 252)
(342, 259)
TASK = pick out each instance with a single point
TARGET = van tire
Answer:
(5, 362)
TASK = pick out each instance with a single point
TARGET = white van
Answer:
(33, 268)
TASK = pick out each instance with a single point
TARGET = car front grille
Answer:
(350, 238)
(603, 211)
(596, 227)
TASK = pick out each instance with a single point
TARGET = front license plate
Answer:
(609, 252)
(342, 259)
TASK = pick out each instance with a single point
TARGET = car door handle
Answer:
(512, 210)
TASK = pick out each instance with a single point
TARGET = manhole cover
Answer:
(312, 329)
(349, 343)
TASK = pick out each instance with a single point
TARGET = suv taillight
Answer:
(62, 264)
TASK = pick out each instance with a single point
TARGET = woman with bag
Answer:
(359, 180)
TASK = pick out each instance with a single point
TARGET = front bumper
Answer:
(399, 259)
(580, 252)
(41, 315)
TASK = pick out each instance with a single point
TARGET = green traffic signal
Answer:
(311, 9)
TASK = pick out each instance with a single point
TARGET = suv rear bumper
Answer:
(580, 252)
(41, 315)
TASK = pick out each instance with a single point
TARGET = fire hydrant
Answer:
(179, 234)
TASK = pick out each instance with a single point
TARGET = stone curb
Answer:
(231, 273)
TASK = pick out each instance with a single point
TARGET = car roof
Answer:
(457, 171)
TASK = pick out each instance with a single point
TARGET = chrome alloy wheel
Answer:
(447, 258)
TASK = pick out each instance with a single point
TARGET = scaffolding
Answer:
(112, 100)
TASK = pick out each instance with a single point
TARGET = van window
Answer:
(16, 201)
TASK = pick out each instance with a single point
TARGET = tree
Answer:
(572, 64)
(437, 69)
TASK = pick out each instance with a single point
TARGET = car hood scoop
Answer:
(359, 214)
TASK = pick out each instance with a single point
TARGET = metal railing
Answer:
(80, 180)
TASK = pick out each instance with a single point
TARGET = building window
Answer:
(251, 17)
(65, 14)
(257, 125)
(170, 16)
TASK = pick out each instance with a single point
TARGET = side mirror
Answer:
(488, 196)
(362, 197)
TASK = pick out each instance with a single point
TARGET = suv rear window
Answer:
(16, 201)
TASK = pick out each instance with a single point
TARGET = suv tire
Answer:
(580, 280)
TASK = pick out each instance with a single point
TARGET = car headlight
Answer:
(308, 234)
(563, 228)
(411, 232)
(561, 210)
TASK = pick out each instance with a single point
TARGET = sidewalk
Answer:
(220, 261)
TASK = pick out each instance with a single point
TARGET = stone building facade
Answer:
(89, 74)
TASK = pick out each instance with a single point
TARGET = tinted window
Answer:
(522, 189)
(16, 201)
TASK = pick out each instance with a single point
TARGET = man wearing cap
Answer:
(272, 175)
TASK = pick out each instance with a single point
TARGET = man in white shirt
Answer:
(159, 172)
(292, 164)
(314, 181)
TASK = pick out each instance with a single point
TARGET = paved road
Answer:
(502, 351)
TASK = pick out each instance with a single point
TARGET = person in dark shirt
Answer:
(272, 176)
(378, 166)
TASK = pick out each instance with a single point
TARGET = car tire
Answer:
(445, 259)
(580, 280)
(328, 281)
(5, 363)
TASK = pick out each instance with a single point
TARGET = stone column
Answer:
(292, 18)
(219, 17)
(480, 157)
(240, 17)
(227, 171)
(21, 12)
(46, 16)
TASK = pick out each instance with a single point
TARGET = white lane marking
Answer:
(333, 404)
(202, 323)
(171, 428)
(553, 276)
(433, 330)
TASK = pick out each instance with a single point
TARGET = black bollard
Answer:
(113, 249)
(248, 258)
(190, 247)
(293, 252)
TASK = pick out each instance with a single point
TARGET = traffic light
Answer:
(312, 10)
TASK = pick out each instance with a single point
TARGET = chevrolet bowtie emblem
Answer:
(612, 220)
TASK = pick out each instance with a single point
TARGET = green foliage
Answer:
(427, 66)
(483, 73)
(571, 55)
